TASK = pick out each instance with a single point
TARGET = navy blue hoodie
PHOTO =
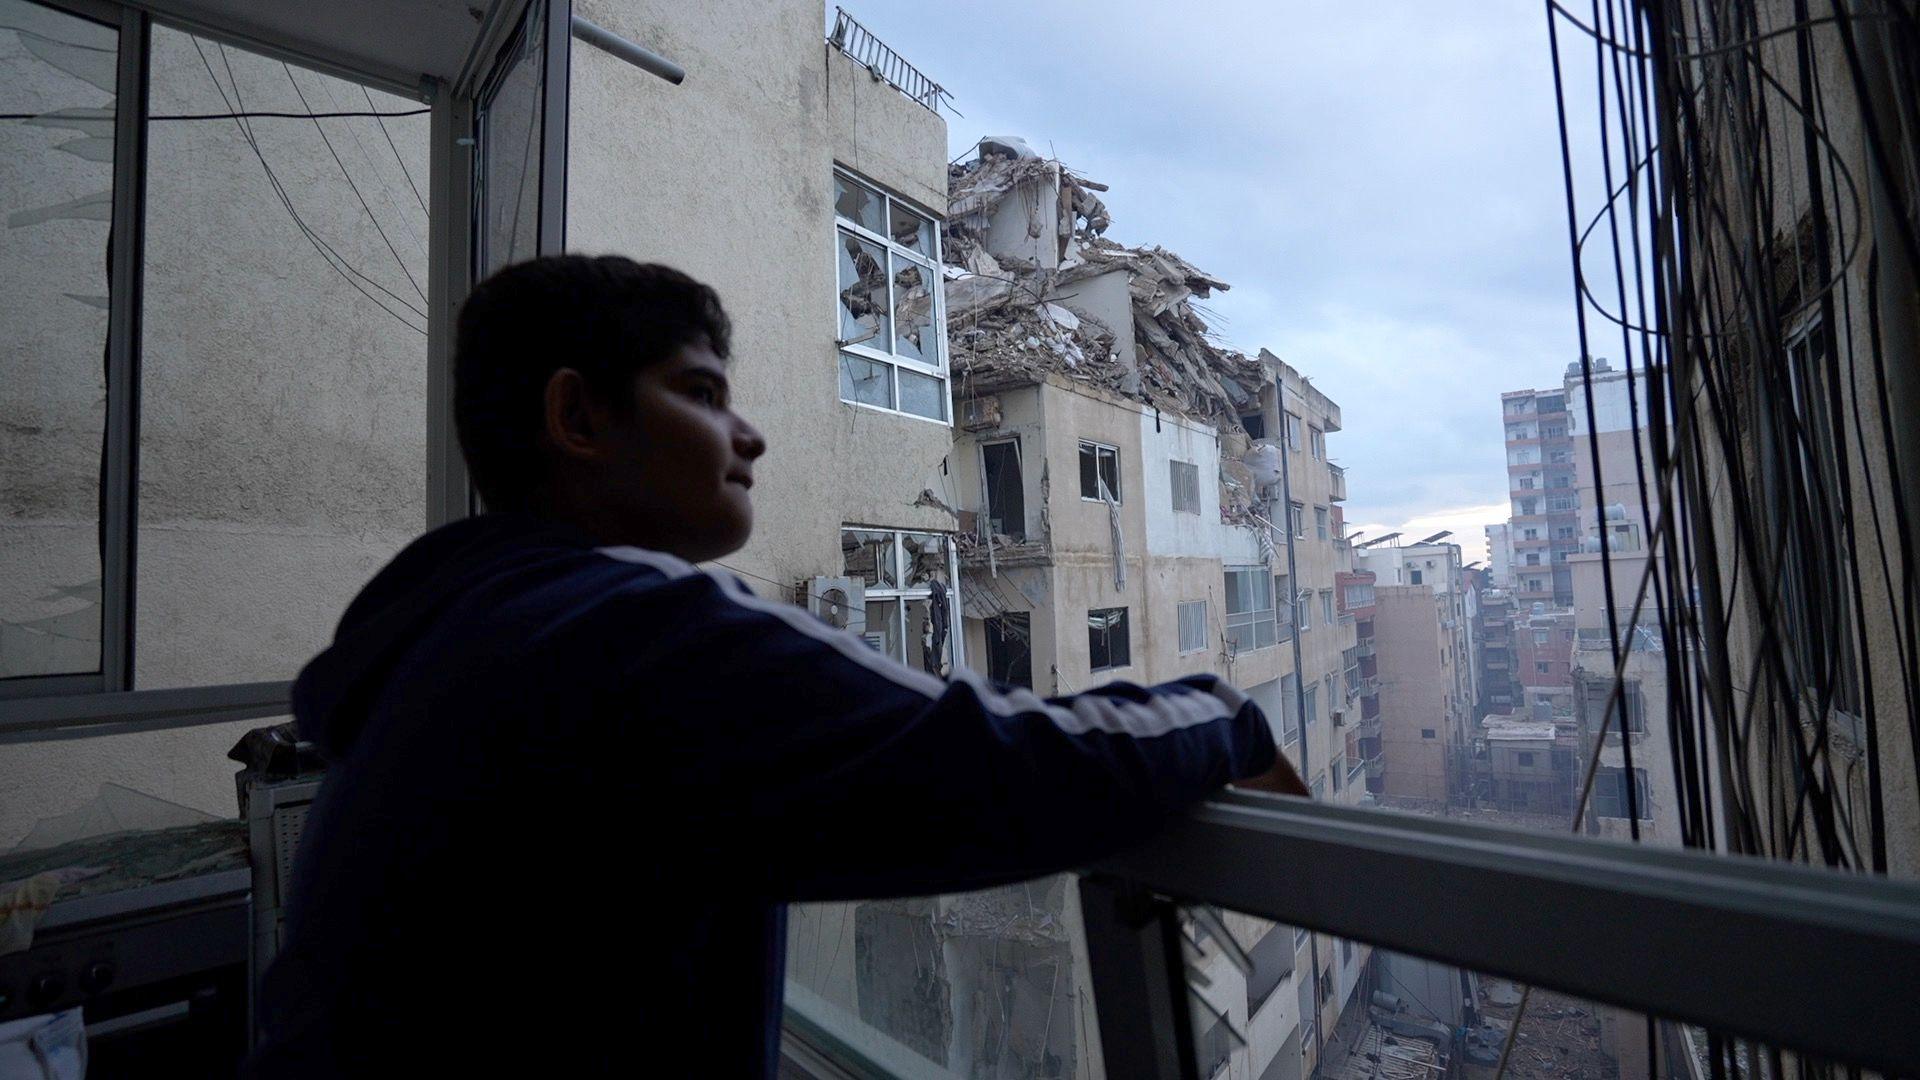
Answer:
(572, 790)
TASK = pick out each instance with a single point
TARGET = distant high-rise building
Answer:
(1544, 526)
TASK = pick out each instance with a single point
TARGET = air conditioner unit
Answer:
(980, 413)
(840, 602)
(1339, 717)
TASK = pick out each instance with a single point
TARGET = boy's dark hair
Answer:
(605, 316)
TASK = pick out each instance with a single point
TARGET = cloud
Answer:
(1468, 524)
(1381, 186)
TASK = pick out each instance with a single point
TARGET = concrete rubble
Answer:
(1010, 317)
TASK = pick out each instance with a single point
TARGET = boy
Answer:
(575, 780)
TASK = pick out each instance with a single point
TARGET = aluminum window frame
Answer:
(1118, 481)
(1799, 957)
(942, 368)
(106, 702)
(1251, 618)
(900, 593)
(1125, 624)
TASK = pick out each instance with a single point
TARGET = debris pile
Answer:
(1559, 1037)
(1007, 315)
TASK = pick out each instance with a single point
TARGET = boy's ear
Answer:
(574, 421)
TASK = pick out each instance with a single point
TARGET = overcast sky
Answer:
(1380, 184)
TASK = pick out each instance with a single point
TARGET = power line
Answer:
(396, 150)
(256, 114)
(284, 66)
(327, 254)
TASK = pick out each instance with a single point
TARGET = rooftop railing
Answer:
(857, 42)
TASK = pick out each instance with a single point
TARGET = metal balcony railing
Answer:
(858, 43)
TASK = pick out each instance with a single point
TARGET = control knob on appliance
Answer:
(96, 977)
(45, 989)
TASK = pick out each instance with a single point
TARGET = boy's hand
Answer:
(1282, 779)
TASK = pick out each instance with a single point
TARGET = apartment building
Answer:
(1126, 522)
(1543, 527)
(1500, 556)
(1499, 686)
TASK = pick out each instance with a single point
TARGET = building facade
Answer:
(1544, 526)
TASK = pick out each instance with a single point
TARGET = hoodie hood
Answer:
(401, 605)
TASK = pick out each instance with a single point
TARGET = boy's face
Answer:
(675, 475)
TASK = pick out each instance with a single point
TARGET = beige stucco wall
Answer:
(1413, 691)
(282, 418)
(729, 177)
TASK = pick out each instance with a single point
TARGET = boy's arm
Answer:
(845, 774)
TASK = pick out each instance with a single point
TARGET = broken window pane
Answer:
(926, 559)
(859, 204)
(56, 183)
(911, 231)
(918, 338)
(863, 292)
(1107, 645)
(869, 556)
(1006, 494)
(1099, 465)
(930, 631)
(1010, 649)
(922, 395)
(883, 627)
(865, 381)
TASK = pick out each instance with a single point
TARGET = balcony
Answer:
(1337, 481)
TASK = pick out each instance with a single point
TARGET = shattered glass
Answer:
(863, 292)
(869, 557)
(915, 334)
(866, 381)
(859, 204)
(926, 559)
(922, 395)
(929, 637)
(56, 169)
(911, 231)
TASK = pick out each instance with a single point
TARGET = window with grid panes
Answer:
(892, 319)
(911, 606)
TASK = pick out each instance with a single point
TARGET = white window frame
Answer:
(1126, 614)
(900, 593)
(1320, 519)
(109, 701)
(941, 368)
(1254, 617)
(1119, 481)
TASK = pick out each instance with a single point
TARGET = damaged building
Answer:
(1140, 502)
